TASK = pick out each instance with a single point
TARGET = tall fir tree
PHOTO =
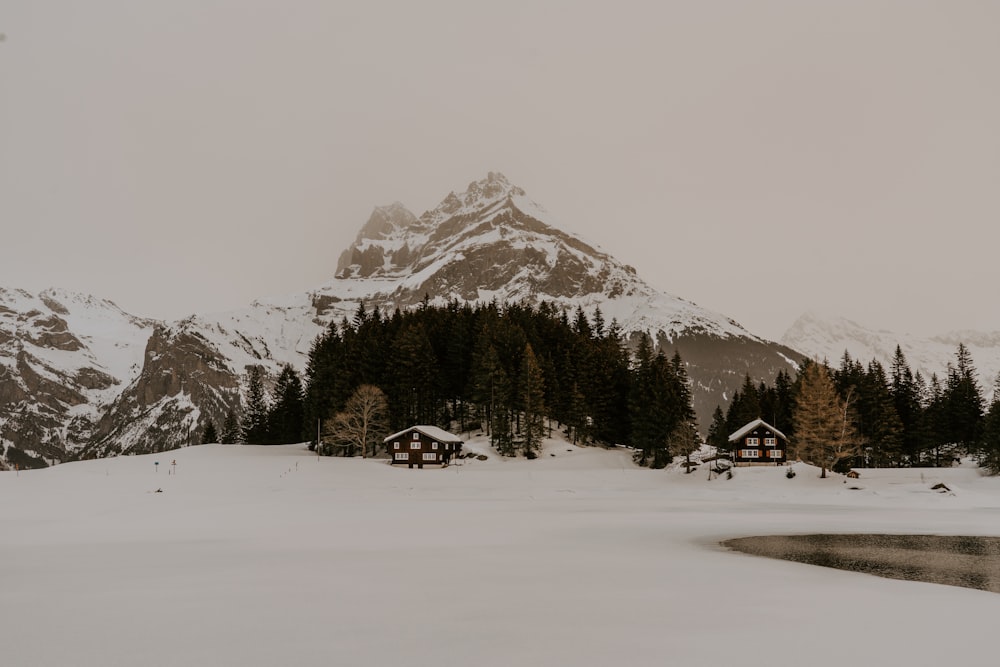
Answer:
(209, 435)
(285, 417)
(718, 437)
(964, 401)
(255, 413)
(232, 433)
(906, 400)
(989, 448)
(532, 403)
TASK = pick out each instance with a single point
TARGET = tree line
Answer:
(874, 417)
(514, 373)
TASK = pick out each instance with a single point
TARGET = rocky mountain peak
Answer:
(394, 240)
(387, 220)
(478, 195)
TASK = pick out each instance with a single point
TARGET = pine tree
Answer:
(209, 435)
(232, 433)
(880, 425)
(285, 418)
(414, 377)
(644, 409)
(989, 449)
(906, 400)
(935, 427)
(532, 403)
(964, 401)
(255, 413)
(745, 406)
(718, 437)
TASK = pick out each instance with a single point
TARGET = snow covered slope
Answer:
(829, 337)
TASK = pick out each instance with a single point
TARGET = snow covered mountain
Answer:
(64, 359)
(829, 337)
(159, 382)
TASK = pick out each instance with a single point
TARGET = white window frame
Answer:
(414, 445)
(402, 456)
(430, 456)
(770, 442)
(416, 436)
(775, 454)
(753, 442)
(434, 445)
(395, 445)
(750, 453)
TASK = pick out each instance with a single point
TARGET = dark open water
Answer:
(972, 562)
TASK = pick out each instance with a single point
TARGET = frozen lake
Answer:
(969, 561)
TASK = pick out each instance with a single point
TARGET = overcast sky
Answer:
(759, 158)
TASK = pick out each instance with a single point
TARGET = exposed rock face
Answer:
(63, 358)
(184, 382)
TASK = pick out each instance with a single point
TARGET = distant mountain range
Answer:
(81, 378)
(829, 337)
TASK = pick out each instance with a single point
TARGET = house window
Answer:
(430, 456)
(434, 445)
(416, 436)
(753, 442)
(402, 456)
(395, 445)
(414, 445)
(770, 442)
(775, 453)
(750, 453)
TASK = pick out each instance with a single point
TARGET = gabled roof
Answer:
(432, 432)
(754, 424)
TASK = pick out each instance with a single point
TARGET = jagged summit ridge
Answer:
(493, 242)
(394, 237)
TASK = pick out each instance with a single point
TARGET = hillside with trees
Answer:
(874, 417)
(516, 373)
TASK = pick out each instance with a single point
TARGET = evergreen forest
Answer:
(518, 372)
(897, 416)
(515, 373)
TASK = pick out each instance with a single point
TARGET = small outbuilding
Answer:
(420, 445)
(758, 443)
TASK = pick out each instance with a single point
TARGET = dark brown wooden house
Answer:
(422, 445)
(758, 443)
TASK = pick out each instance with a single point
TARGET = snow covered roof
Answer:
(751, 426)
(432, 432)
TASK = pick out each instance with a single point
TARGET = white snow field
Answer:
(271, 556)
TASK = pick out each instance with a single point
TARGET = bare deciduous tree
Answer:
(684, 441)
(362, 423)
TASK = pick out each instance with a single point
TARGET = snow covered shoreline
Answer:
(264, 556)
